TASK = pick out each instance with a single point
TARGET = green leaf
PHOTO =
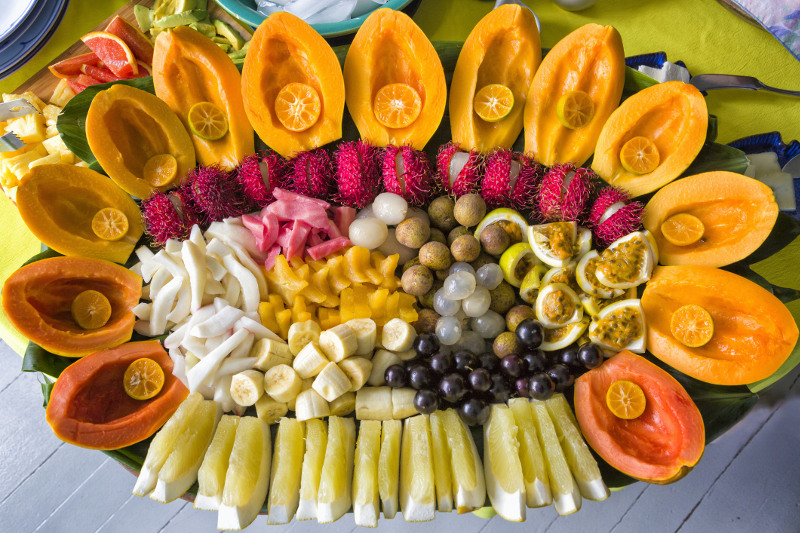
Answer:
(714, 156)
(635, 81)
(47, 253)
(47, 388)
(37, 359)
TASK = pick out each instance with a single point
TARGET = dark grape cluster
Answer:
(470, 382)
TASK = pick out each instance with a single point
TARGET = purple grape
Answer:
(480, 379)
(561, 376)
(521, 386)
(511, 365)
(475, 412)
(426, 401)
(420, 377)
(442, 363)
(590, 355)
(489, 361)
(453, 387)
(395, 376)
(533, 361)
(466, 361)
(530, 333)
(426, 344)
(569, 357)
(540, 386)
(499, 392)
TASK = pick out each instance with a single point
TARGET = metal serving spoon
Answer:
(707, 82)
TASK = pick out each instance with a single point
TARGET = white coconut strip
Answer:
(160, 278)
(217, 324)
(196, 237)
(232, 365)
(243, 350)
(251, 295)
(218, 247)
(142, 310)
(149, 267)
(216, 268)
(183, 304)
(146, 292)
(136, 269)
(169, 261)
(233, 290)
(175, 339)
(234, 235)
(144, 254)
(172, 246)
(179, 370)
(216, 340)
(162, 304)
(254, 269)
(213, 288)
(195, 346)
(222, 392)
(204, 371)
(194, 261)
(258, 329)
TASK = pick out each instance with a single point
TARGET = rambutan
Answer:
(214, 193)
(169, 216)
(458, 172)
(407, 172)
(257, 176)
(613, 215)
(311, 174)
(565, 192)
(510, 180)
(358, 173)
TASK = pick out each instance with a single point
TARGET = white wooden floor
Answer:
(748, 480)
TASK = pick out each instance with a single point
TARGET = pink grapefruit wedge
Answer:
(113, 52)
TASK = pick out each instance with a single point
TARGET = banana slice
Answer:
(620, 326)
(309, 404)
(332, 382)
(310, 361)
(366, 333)
(247, 387)
(338, 343)
(557, 305)
(269, 353)
(403, 403)
(270, 410)
(344, 404)
(554, 243)
(382, 360)
(358, 370)
(301, 333)
(398, 335)
(282, 383)
(374, 403)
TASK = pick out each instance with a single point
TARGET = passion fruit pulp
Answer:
(628, 261)
(554, 243)
(620, 326)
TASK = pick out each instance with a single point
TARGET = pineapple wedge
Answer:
(316, 442)
(211, 477)
(247, 478)
(469, 485)
(389, 466)
(164, 443)
(581, 462)
(336, 483)
(534, 469)
(566, 495)
(180, 470)
(417, 486)
(504, 480)
(366, 508)
(287, 465)
(442, 467)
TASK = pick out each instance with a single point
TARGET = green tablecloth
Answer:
(706, 36)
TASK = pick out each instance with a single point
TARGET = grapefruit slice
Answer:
(72, 66)
(80, 82)
(101, 74)
(113, 52)
(139, 44)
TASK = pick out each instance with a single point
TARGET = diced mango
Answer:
(266, 312)
(284, 319)
(329, 318)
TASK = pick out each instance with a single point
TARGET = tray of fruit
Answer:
(398, 275)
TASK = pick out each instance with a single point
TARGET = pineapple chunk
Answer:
(20, 165)
(29, 96)
(85, 164)
(30, 128)
(50, 113)
(51, 159)
(50, 131)
(55, 145)
(67, 157)
(62, 94)
(7, 178)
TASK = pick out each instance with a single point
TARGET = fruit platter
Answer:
(398, 275)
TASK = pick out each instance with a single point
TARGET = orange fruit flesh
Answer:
(692, 326)
(143, 379)
(160, 170)
(639, 155)
(90, 309)
(682, 229)
(207, 121)
(625, 399)
(297, 106)
(110, 224)
(397, 105)
(493, 102)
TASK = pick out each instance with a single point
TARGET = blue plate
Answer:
(13, 16)
(30, 41)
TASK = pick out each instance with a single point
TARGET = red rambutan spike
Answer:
(565, 192)
(258, 176)
(510, 180)
(613, 215)
(215, 193)
(168, 216)
(311, 174)
(358, 173)
(458, 172)
(407, 172)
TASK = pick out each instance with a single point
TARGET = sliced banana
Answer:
(247, 387)
(310, 361)
(309, 404)
(629, 261)
(556, 339)
(344, 404)
(382, 360)
(557, 305)
(398, 335)
(338, 343)
(620, 326)
(358, 370)
(554, 243)
(305, 385)
(366, 333)
(270, 410)
(332, 382)
(585, 275)
(403, 403)
(282, 383)
(374, 403)
(301, 333)
(269, 353)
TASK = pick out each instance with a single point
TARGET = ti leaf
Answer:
(714, 156)
(37, 359)
(47, 388)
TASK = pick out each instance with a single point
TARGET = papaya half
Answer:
(659, 446)
(189, 68)
(737, 214)
(672, 116)
(753, 332)
(589, 62)
(391, 49)
(58, 202)
(37, 299)
(125, 127)
(503, 48)
(89, 406)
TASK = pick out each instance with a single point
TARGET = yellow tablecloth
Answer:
(706, 36)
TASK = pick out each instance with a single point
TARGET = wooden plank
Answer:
(43, 82)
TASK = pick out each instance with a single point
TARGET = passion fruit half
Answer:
(516, 262)
(510, 220)
(620, 326)
(556, 339)
(554, 243)
(628, 262)
(557, 305)
(586, 276)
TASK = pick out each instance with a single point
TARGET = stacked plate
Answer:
(25, 27)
